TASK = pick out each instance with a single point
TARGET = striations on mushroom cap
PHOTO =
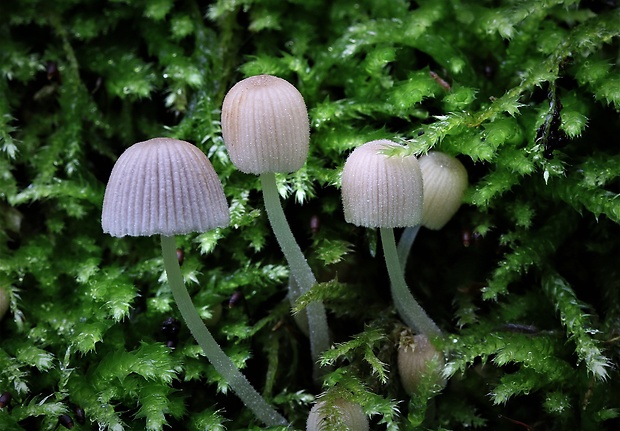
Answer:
(380, 190)
(163, 186)
(350, 415)
(445, 182)
(265, 125)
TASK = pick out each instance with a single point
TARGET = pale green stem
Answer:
(220, 361)
(300, 270)
(408, 308)
(404, 245)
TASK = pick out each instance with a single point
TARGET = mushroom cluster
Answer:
(168, 187)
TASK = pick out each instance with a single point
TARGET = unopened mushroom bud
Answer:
(418, 362)
(342, 416)
(445, 182)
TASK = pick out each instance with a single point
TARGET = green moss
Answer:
(523, 281)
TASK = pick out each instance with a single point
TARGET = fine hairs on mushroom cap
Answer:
(163, 186)
(265, 125)
(445, 181)
(379, 190)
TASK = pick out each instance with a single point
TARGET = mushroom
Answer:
(266, 130)
(344, 415)
(445, 182)
(382, 189)
(168, 187)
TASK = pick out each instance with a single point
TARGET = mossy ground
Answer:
(524, 280)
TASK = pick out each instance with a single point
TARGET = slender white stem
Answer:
(300, 270)
(222, 363)
(404, 245)
(410, 311)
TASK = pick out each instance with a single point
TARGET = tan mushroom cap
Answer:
(380, 190)
(163, 186)
(265, 125)
(445, 182)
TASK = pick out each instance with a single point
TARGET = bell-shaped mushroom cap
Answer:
(265, 125)
(163, 186)
(380, 190)
(349, 414)
(445, 182)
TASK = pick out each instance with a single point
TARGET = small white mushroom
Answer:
(266, 130)
(168, 187)
(384, 190)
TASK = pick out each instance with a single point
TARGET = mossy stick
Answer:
(222, 363)
(300, 270)
(406, 305)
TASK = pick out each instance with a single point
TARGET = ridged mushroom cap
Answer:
(445, 182)
(380, 190)
(163, 186)
(418, 359)
(265, 125)
(350, 415)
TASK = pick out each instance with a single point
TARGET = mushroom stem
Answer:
(406, 305)
(222, 363)
(404, 245)
(300, 270)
